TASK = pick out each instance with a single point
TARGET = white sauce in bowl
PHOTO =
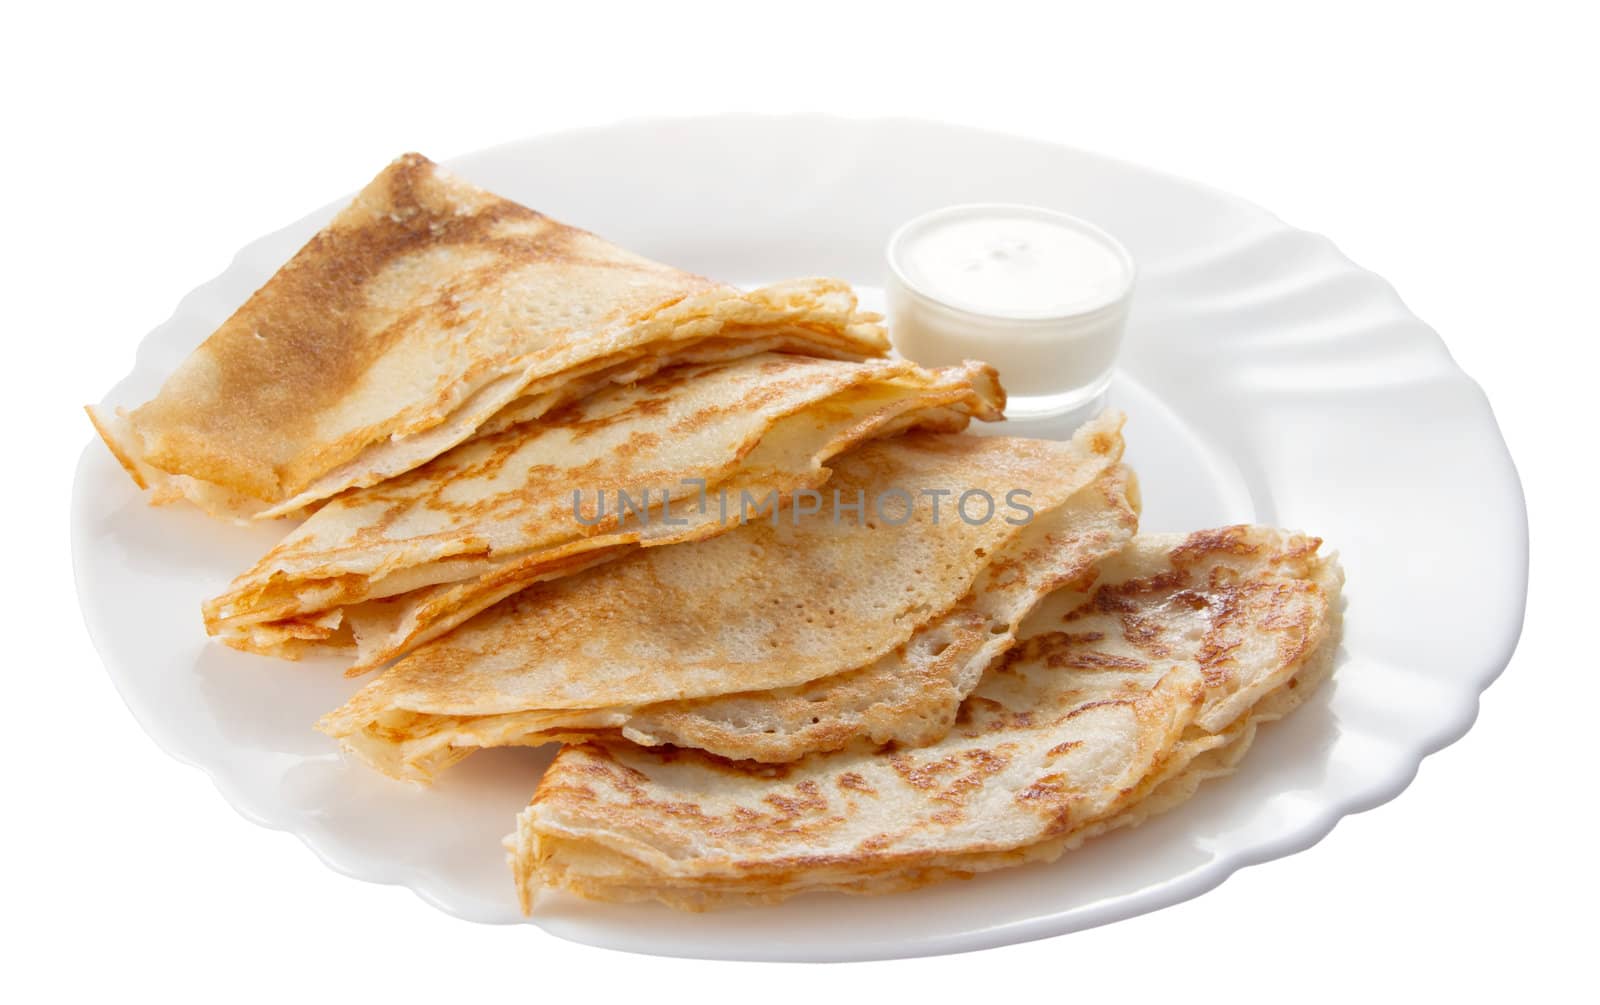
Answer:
(1041, 295)
(1012, 263)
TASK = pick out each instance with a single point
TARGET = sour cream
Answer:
(1041, 295)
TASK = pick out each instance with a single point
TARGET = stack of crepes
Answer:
(779, 638)
(795, 627)
(1124, 692)
(381, 570)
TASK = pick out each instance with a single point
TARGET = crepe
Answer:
(381, 570)
(911, 695)
(772, 605)
(427, 310)
(1115, 705)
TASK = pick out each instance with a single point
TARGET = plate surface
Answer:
(1266, 377)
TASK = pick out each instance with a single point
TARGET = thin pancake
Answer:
(910, 696)
(1115, 705)
(427, 309)
(494, 515)
(773, 604)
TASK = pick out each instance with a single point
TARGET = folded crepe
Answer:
(427, 310)
(773, 605)
(910, 696)
(1115, 705)
(383, 569)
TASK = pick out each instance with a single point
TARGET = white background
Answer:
(1450, 149)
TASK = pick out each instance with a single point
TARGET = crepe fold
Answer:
(380, 570)
(428, 310)
(896, 604)
(1116, 703)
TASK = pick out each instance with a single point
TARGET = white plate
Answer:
(1267, 379)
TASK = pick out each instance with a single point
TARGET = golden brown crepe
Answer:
(910, 696)
(429, 310)
(380, 570)
(769, 606)
(1115, 705)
